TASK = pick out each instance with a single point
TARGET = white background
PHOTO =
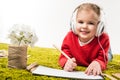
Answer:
(51, 19)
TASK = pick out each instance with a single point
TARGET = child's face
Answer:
(86, 24)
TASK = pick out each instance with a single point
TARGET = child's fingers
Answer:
(74, 62)
(88, 71)
(73, 59)
(70, 64)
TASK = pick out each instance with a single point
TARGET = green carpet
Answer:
(46, 57)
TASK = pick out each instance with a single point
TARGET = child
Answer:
(86, 43)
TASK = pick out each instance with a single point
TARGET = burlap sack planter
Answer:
(17, 57)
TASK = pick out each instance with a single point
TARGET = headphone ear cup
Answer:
(73, 21)
(72, 24)
(100, 29)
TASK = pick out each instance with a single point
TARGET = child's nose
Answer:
(84, 25)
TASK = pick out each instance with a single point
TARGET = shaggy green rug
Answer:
(46, 57)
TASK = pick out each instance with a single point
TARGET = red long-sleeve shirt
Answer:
(84, 55)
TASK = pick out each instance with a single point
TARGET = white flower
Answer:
(21, 34)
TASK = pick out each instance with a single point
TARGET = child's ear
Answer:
(100, 29)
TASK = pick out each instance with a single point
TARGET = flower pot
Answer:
(17, 57)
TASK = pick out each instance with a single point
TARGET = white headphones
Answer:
(100, 27)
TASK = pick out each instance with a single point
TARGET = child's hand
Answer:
(94, 68)
(70, 64)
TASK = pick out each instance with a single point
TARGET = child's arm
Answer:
(71, 62)
(102, 57)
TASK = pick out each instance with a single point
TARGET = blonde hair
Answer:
(89, 6)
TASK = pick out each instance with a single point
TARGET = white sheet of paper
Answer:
(42, 70)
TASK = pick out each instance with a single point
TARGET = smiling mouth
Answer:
(84, 32)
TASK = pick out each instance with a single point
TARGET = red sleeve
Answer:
(103, 53)
(65, 49)
(62, 61)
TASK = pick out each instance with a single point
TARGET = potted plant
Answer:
(21, 36)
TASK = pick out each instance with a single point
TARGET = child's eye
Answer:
(81, 22)
(91, 23)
